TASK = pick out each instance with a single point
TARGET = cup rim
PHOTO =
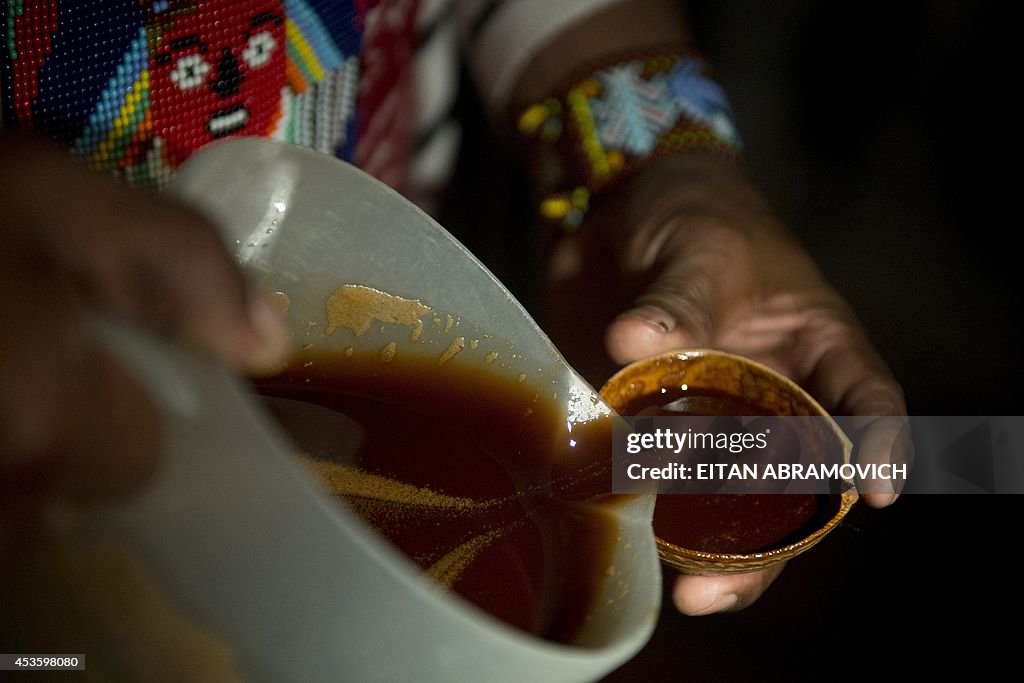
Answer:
(677, 555)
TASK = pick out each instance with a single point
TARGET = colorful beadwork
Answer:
(136, 86)
(324, 42)
(615, 120)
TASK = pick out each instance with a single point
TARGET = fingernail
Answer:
(721, 604)
(652, 315)
(270, 328)
(880, 500)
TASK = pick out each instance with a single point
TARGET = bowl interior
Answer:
(702, 381)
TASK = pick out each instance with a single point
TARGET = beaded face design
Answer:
(217, 70)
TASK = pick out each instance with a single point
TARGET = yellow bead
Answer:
(532, 118)
(555, 208)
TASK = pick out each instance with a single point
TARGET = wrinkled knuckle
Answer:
(688, 300)
(827, 327)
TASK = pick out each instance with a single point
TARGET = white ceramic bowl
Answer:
(234, 527)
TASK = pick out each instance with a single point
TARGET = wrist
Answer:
(615, 120)
(684, 202)
(693, 189)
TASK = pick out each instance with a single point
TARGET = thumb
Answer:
(673, 313)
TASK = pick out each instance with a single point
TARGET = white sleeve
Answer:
(502, 35)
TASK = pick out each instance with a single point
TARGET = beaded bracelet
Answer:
(618, 118)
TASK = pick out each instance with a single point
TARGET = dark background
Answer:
(884, 135)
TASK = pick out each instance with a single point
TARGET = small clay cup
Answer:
(753, 383)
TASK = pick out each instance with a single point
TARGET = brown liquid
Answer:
(472, 475)
(729, 523)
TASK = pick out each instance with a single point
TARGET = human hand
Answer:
(74, 423)
(694, 257)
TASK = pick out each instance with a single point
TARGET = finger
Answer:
(144, 259)
(178, 277)
(697, 273)
(645, 331)
(72, 420)
(702, 595)
(674, 312)
(851, 379)
(883, 441)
